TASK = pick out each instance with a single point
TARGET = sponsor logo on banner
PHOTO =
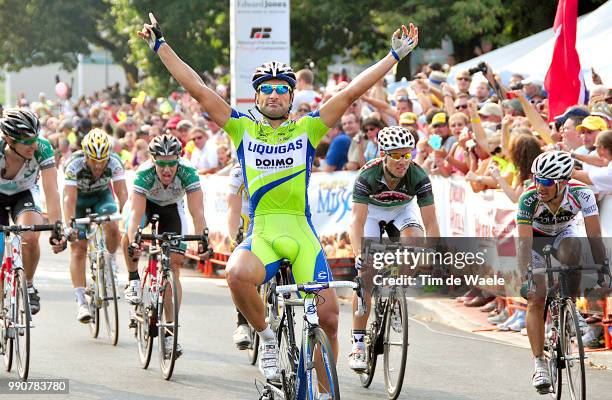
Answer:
(334, 199)
(456, 209)
(260, 33)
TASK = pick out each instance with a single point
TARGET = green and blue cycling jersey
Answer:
(276, 165)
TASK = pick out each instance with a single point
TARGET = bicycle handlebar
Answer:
(95, 219)
(24, 228)
(166, 237)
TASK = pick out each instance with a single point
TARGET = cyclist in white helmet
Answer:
(393, 189)
(547, 210)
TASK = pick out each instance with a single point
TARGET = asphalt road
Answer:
(443, 363)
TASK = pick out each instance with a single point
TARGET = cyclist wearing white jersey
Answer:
(24, 156)
(91, 177)
(276, 156)
(389, 189)
(548, 210)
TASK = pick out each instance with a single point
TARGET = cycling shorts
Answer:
(402, 217)
(274, 237)
(28, 200)
(171, 219)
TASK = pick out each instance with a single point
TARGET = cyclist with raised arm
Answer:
(24, 157)
(276, 156)
(548, 210)
(238, 217)
(159, 188)
(392, 189)
(91, 177)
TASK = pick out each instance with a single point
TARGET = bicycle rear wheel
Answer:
(373, 341)
(144, 314)
(92, 294)
(168, 324)
(573, 351)
(108, 295)
(22, 326)
(323, 379)
(395, 343)
(7, 342)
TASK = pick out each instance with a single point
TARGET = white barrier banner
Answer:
(259, 32)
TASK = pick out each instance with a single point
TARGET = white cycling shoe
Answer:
(83, 313)
(268, 360)
(132, 292)
(241, 337)
(357, 360)
(541, 378)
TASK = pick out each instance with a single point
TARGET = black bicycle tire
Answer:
(367, 377)
(317, 335)
(8, 344)
(167, 367)
(570, 309)
(23, 364)
(393, 392)
(553, 359)
(291, 356)
(110, 301)
(144, 344)
(94, 323)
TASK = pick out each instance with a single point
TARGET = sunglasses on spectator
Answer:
(544, 181)
(198, 138)
(399, 156)
(166, 163)
(27, 142)
(461, 106)
(268, 89)
(370, 128)
(461, 78)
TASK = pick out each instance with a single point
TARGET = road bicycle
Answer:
(563, 347)
(15, 315)
(307, 370)
(101, 293)
(157, 315)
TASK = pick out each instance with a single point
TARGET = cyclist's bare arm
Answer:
(52, 197)
(234, 206)
(593, 231)
(120, 189)
(212, 103)
(195, 200)
(139, 204)
(70, 199)
(360, 214)
(525, 245)
(333, 109)
(428, 213)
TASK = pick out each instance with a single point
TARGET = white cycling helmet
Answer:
(395, 137)
(553, 164)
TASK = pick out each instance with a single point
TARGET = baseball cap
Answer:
(602, 110)
(593, 123)
(514, 104)
(408, 118)
(439, 119)
(173, 122)
(573, 111)
(489, 109)
(184, 124)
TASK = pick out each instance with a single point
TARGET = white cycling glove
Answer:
(402, 46)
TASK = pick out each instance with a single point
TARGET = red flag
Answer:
(564, 81)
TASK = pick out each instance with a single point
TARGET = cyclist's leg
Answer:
(568, 250)
(26, 211)
(536, 299)
(78, 251)
(106, 205)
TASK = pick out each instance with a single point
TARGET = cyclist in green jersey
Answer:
(390, 189)
(87, 186)
(547, 211)
(276, 156)
(24, 158)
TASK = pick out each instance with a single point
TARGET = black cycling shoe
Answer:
(34, 299)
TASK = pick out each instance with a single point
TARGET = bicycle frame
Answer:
(12, 263)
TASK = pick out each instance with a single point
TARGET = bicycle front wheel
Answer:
(110, 308)
(372, 341)
(92, 294)
(145, 324)
(22, 326)
(395, 343)
(168, 325)
(322, 378)
(288, 354)
(7, 342)
(573, 351)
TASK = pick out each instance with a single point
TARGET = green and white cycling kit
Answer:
(398, 206)
(166, 201)
(276, 164)
(21, 192)
(561, 224)
(93, 193)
